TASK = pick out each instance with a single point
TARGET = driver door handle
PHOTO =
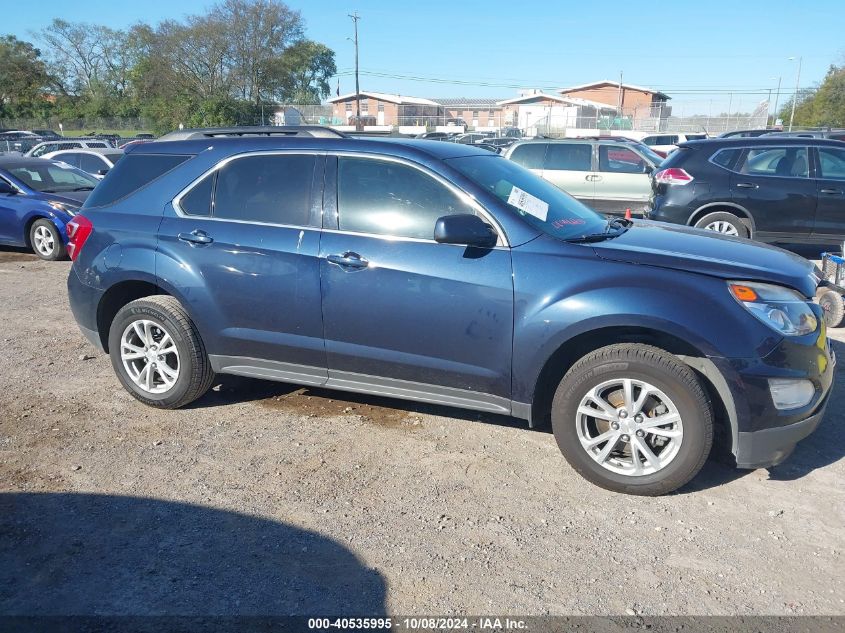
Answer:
(348, 260)
(832, 192)
(747, 185)
(196, 238)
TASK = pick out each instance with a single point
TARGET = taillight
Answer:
(673, 176)
(78, 231)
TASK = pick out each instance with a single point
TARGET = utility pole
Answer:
(795, 97)
(355, 17)
(777, 94)
(619, 109)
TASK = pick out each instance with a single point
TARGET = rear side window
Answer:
(726, 157)
(130, 174)
(198, 200)
(275, 188)
(785, 162)
(529, 155)
(91, 163)
(569, 156)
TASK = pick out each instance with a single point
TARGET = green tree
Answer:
(821, 106)
(23, 78)
(302, 73)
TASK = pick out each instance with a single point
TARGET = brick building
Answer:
(378, 108)
(635, 101)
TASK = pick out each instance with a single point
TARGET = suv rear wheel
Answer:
(723, 222)
(634, 419)
(157, 353)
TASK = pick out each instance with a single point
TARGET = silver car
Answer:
(609, 176)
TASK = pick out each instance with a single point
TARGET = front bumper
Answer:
(769, 447)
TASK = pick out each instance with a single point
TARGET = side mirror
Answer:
(466, 229)
(647, 168)
(7, 189)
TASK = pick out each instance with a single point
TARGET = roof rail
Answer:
(317, 131)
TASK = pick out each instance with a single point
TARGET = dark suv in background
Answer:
(443, 273)
(772, 189)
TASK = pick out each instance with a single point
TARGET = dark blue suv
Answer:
(442, 273)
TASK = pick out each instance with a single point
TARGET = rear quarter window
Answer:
(726, 157)
(529, 155)
(130, 174)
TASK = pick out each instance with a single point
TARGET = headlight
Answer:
(782, 309)
(63, 206)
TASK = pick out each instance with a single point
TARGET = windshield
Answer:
(540, 203)
(53, 178)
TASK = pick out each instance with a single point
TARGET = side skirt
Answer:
(364, 383)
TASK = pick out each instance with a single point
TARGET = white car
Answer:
(665, 144)
(94, 161)
(38, 151)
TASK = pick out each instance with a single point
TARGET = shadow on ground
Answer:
(87, 554)
(13, 254)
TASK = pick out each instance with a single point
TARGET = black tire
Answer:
(660, 369)
(833, 306)
(725, 217)
(195, 375)
(58, 250)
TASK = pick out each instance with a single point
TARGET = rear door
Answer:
(623, 181)
(248, 234)
(569, 166)
(773, 183)
(830, 183)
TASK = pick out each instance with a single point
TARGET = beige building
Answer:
(633, 101)
(378, 108)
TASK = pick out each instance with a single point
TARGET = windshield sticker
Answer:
(532, 205)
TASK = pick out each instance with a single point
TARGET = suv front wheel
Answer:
(157, 353)
(633, 418)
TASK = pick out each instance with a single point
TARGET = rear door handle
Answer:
(832, 192)
(348, 260)
(747, 185)
(196, 238)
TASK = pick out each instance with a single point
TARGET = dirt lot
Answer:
(265, 498)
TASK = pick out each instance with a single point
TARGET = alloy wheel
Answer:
(629, 427)
(720, 226)
(149, 356)
(43, 240)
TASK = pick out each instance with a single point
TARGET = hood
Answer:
(75, 198)
(707, 253)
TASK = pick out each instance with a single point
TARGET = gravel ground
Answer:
(267, 498)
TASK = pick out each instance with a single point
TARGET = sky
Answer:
(706, 55)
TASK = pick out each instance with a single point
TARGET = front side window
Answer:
(569, 157)
(273, 188)
(832, 163)
(616, 159)
(786, 162)
(389, 198)
(537, 201)
(529, 155)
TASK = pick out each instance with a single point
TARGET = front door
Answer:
(249, 234)
(774, 185)
(11, 211)
(623, 181)
(403, 315)
(830, 183)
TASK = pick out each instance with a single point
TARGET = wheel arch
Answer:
(118, 296)
(575, 348)
(727, 207)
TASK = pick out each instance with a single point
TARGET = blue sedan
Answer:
(37, 199)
